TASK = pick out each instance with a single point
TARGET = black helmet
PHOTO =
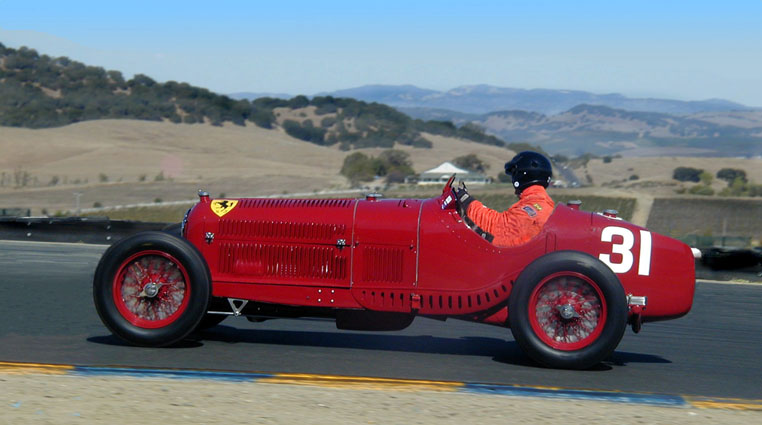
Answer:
(529, 168)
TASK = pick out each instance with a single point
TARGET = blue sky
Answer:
(674, 49)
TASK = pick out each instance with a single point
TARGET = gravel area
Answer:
(66, 399)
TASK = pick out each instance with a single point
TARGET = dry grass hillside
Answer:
(655, 173)
(114, 162)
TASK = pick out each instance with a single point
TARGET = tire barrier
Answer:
(94, 230)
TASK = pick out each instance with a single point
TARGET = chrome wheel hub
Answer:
(151, 290)
(567, 312)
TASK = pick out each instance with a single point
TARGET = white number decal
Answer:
(644, 266)
(625, 250)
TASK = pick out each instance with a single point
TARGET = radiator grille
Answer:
(283, 261)
(264, 229)
(382, 264)
(295, 203)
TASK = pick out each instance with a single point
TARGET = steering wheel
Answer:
(449, 197)
(448, 185)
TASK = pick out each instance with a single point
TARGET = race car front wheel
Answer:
(151, 289)
(568, 310)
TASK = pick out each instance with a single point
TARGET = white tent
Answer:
(441, 173)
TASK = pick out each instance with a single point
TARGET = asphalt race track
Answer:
(47, 316)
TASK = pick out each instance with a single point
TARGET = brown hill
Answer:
(115, 162)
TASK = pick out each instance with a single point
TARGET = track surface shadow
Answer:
(499, 350)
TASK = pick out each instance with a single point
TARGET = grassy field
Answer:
(158, 214)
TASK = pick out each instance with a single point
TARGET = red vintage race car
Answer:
(376, 264)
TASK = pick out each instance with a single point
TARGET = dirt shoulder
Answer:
(64, 399)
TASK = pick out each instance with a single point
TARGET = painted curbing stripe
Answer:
(561, 393)
(358, 382)
(336, 381)
(169, 373)
(725, 403)
(38, 368)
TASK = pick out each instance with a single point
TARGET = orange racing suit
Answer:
(519, 223)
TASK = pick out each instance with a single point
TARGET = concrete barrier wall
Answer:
(95, 230)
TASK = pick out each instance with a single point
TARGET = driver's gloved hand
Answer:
(463, 199)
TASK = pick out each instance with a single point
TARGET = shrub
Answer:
(396, 177)
(358, 167)
(687, 174)
(471, 162)
(421, 143)
(706, 178)
(306, 132)
(326, 108)
(297, 102)
(701, 189)
(730, 174)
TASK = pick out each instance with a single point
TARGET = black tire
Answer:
(152, 289)
(537, 312)
(211, 320)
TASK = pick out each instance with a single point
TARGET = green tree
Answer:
(471, 162)
(307, 132)
(731, 174)
(297, 102)
(687, 174)
(358, 167)
(396, 158)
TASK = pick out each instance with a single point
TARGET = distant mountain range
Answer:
(577, 122)
(252, 95)
(482, 99)
(604, 130)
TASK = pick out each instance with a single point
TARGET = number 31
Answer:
(625, 250)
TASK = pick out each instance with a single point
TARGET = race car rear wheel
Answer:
(568, 310)
(151, 289)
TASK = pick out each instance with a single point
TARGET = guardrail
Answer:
(95, 230)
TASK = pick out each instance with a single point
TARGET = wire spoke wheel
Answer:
(150, 290)
(566, 311)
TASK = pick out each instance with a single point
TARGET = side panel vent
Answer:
(393, 301)
(382, 264)
(295, 203)
(264, 229)
(284, 261)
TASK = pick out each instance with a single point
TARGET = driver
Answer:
(531, 173)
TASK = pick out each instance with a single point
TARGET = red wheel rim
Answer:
(567, 311)
(151, 290)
